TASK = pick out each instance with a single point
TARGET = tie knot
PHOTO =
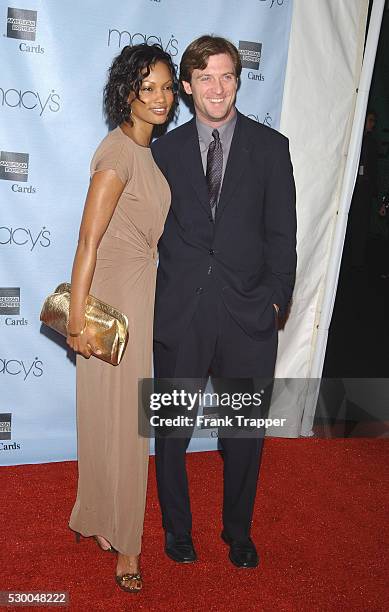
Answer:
(215, 134)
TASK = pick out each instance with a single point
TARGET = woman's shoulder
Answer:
(113, 153)
(113, 142)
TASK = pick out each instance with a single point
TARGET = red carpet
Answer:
(320, 525)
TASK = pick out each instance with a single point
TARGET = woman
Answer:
(125, 210)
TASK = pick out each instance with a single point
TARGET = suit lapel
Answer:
(191, 162)
(236, 164)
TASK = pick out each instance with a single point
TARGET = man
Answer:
(383, 212)
(365, 190)
(226, 268)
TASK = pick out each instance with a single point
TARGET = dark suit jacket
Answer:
(251, 247)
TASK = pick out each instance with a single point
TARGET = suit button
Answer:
(199, 290)
(211, 252)
(210, 218)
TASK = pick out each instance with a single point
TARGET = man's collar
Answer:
(205, 131)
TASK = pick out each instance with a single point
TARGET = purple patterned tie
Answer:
(214, 170)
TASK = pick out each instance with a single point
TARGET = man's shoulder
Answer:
(263, 134)
(170, 139)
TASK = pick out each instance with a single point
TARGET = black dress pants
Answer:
(213, 344)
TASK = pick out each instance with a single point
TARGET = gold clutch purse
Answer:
(109, 324)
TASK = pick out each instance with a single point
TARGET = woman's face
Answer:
(155, 96)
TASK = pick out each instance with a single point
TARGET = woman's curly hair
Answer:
(126, 74)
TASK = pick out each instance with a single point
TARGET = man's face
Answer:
(214, 90)
(370, 122)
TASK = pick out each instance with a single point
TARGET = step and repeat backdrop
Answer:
(55, 58)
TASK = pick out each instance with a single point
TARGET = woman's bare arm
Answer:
(104, 192)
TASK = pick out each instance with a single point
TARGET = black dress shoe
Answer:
(180, 548)
(242, 554)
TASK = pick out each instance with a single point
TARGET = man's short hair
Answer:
(197, 54)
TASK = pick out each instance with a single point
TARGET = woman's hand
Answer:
(84, 343)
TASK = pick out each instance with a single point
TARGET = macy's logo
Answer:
(16, 367)
(22, 236)
(124, 37)
(30, 100)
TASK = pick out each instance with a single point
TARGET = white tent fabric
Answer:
(323, 72)
(348, 184)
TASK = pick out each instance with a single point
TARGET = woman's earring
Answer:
(129, 117)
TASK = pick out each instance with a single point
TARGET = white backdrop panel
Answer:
(55, 57)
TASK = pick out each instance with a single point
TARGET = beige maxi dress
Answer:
(112, 457)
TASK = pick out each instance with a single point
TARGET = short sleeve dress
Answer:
(112, 457)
